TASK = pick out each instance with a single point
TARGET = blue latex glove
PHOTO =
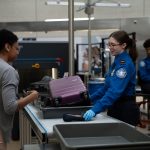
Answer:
(89, 115)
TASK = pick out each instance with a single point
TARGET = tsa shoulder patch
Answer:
(121, 73)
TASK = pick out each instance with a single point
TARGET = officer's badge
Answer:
(121, 73)
(142, 64)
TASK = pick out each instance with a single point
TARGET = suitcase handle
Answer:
(84, 95)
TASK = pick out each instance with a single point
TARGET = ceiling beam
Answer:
(60, 26)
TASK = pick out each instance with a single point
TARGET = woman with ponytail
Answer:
(118, 93)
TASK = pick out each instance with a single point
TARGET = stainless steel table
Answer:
(31, 118)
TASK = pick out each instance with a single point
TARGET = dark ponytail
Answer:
(123, 37)
(132, 49)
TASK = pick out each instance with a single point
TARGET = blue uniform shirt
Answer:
(120, 81)
(144, 69)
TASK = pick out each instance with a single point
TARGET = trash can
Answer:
(93, 85)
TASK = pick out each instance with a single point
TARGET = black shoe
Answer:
(71, 117)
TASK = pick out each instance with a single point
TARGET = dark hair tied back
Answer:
(7, 36)
(146, 44)
(132, 49)
(122, 37)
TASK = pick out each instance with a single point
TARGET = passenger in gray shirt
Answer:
(9, 80)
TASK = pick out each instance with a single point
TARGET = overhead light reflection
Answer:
(66, 19)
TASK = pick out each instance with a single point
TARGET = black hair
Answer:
(122, 37)
(146, 44)
(7, 36)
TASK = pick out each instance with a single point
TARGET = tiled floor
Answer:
(144, 116)
(15, 145)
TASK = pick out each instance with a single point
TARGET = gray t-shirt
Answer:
(9, 80)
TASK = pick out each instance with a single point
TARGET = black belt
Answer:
(146, 82)
(126, 98)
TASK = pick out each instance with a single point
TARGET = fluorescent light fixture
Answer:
(124, 4)
(63, 3)
(106, 4)
(115, 4)
(112, 5)
(66, 19)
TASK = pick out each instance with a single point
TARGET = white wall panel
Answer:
(136, 10)
(147, 8)
(50, 11)
(17, 10)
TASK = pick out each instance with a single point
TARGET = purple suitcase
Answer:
(68, 91)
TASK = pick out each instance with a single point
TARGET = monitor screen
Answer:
(36, 59)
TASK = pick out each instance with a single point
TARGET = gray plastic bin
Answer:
(100, 136)
(57, 112)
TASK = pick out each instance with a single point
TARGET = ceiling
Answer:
(29, 15)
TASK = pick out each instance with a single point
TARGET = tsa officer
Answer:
(118, 94)
(144, 69)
